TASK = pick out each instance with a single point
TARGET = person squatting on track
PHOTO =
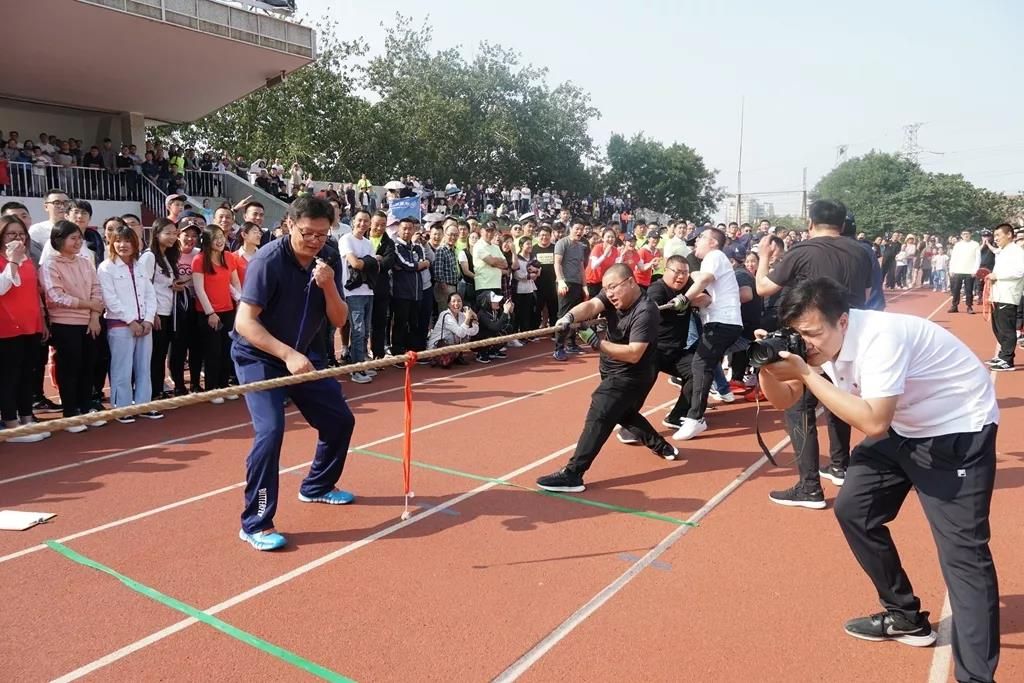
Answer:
(290, 293)
(929, 411)
(628, 371)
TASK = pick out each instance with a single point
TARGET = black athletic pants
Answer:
(1004, 326)
(954, 475)
(379, 337)
(802, 428)
(617, 400)
(681, 366)
(958, 281)
(565, 303)
(715, 340)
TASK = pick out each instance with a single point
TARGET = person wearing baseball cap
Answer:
(175, 204)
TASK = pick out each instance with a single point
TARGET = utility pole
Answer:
(739, 167)
(803, 201)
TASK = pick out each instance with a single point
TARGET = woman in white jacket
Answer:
(130, 299)
(455, 325)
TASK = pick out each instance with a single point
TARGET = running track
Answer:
(487, 580)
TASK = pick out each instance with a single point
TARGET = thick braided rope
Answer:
(263, 385)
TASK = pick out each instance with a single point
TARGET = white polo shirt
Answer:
(724, 291)
(942, 386)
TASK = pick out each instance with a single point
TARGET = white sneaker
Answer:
(370, 373)
(77, 429)
(233, 397)
(690, 429)
(728, 397)
(361, 378)
(516, 344)
(29, 438)
(216, 401)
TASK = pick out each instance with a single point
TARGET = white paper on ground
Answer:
(18, 520)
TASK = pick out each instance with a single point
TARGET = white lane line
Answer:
(225, 489)
(532, 656)
(221, 430)
(319, 562)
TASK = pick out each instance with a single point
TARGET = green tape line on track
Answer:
(210, 620)
(551, 494)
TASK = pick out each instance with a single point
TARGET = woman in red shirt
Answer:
(21, 327)
(217, 287)
(601, 257)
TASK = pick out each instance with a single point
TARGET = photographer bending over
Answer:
(929, 411)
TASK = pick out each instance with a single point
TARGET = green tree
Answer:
(887, 192)
(672, 180)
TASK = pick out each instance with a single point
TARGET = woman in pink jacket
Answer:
(74, 303)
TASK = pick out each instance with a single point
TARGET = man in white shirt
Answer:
(1007, 278)
(56, 204)
(929, 412)
(964, 261)
(354, 248)
(721, 322)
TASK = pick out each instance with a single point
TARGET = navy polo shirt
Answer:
(294, 309)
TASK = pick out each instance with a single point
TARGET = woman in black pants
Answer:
(217, 287)
(160, 264)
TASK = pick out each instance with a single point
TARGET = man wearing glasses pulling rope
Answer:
(628, 371)
(291, 291)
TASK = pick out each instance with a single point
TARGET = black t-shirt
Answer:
(673, 326)
(839, 258)
(988, 257)
(750, 312)
(546, 257)
(638, 323)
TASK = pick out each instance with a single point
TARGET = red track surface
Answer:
(756, 590)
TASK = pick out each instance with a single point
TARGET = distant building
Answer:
(751, 210)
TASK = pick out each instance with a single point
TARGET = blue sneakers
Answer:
(335, 497)
(560, 355)
(263, 540)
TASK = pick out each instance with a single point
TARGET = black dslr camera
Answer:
(765, 351)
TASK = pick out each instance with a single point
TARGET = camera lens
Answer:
(766, 351)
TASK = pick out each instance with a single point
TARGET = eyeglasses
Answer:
(677, 271)
(612, 288)
(59, 202)
(313, 236)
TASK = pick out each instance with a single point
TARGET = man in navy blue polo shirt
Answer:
(290, 293)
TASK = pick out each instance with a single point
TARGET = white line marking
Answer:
(225, 489)
(319, 562)
(221, 430)
(533, 655)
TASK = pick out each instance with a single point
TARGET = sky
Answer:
(810, 76)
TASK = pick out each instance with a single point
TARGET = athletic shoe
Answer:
(499, 354)
(675, 381)
(970, 310)
(690, 428)
(836, 475)
(516, 344)
(994, 361)
(232, 397)
(727, 397)
(666, 451)
(484, 358)
(626, 436)
(263, 540)
(360, 378)
(97, 423)
(1002, 366)
(30, 438)
(130, 419)
(217, 401)
(334, 497)
(560, 355)
(952, 309)
(563, 480)
(893, 626)
(797, 497)
(77, 429)
(673, 422)
(370, 373)
(575, 350)
(153, 415)
(46, 405)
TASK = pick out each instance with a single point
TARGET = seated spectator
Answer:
(455, 325)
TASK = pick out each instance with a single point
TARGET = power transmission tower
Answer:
(841, 154)
(911, 150)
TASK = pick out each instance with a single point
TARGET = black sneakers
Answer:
(626, 437)
(836, 475)
(563, 480)
(893, 626)
(798, 497)
(666, 451)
